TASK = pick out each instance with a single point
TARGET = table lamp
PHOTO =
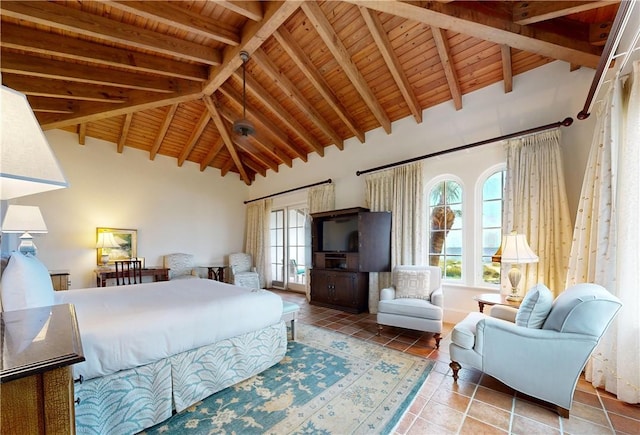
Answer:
(105, 240)
(25, 219)
(515, 250)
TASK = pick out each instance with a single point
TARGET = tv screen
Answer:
(340, 234)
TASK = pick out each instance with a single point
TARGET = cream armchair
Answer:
(180, 266)
(243, 273)
(543, 353)
(415, 301)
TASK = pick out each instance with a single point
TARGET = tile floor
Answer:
(477, 403)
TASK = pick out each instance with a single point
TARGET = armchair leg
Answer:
(455, 366)
(379, 330)
(437, 336)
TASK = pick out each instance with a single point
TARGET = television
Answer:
(340, 234)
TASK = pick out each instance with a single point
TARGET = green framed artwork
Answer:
(126, 244)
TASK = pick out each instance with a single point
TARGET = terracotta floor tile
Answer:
(590, 413)
(362, 334)
(451, 399)
(405, 423)
(625, 425)
(418, 404)
(442, 415)
(578, 426)
(535, 412)
(419, 351)
(471, 426)
(423, 427)
(523, 425)
(613, 405)
(490, 414)
(494, 398)
(397, 345)
(590, 399)
(460, 386)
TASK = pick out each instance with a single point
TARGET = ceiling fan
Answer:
(244, 127)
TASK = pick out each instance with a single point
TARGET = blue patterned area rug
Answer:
(327, 383)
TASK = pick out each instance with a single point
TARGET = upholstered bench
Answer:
(290, 313)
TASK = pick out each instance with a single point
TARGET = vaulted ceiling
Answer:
(165, 77)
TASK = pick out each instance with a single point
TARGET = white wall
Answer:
(539, 97)
(174, 209)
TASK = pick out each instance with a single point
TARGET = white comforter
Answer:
(128, 326)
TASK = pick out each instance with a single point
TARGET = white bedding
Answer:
(128, 326)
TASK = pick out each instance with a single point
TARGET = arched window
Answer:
(492, 192)
(445, 228)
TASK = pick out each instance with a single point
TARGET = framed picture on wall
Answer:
(117, 243)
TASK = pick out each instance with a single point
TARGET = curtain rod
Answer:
(606, 57)
(565, 122)
(327, 181)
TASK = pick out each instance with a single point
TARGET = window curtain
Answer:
(606, 237)
(536, 206)
(400, 191)
(257, 243)
(319, 198)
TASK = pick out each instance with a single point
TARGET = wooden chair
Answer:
(128, 272)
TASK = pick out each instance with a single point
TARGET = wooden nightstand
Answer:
(39, 345)
(494, 299)
(61, 279)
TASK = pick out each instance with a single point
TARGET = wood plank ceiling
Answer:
(166, 77)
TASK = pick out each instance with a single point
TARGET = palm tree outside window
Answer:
(492, 194)
(445, 228)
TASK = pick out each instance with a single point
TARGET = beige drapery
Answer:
(399, 190)
(319, 198)
(535, 204)
(257, 243)
(606, 239)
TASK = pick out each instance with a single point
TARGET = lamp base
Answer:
(105, 259)
(26, 245)
(514, 296)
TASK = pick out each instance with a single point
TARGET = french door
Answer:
(290, 247)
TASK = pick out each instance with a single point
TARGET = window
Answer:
(445, 228)
(276, 229)
(492, 192)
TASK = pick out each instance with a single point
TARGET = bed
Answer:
(155, 348)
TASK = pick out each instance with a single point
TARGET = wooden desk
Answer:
(39, 345)
(158, 274)
(215, 272)
(494, 299)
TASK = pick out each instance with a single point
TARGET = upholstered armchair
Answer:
(181, 266)
(415, 300)
(243, 273)
(543, 352)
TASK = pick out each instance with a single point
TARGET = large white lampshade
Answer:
(27, 163)
(516, 250)
(24, 219)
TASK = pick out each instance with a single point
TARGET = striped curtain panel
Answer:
(257, 243)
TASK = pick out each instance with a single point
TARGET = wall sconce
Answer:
(24, 219)
(105, 240)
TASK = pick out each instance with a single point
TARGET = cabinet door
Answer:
(374, 241)
(319, 286)
(345, 289)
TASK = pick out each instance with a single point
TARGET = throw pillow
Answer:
(414, 284)
(26, 283)
(535, 307)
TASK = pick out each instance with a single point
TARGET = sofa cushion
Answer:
(413, 284)
(411, 307)
(464, 333)
(535, 307)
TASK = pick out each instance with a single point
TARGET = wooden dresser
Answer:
(38, 346)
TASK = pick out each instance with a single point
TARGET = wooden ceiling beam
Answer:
(493, 29)
(82, 133)
(303, 62)
(442, 45)
(226, 167)
(250, 160)
(180, 18)
(52, 105)
(38, 41)
(65, 89)
(339, 51)
(79, 22)
(393, 63)
(213, 152)
(276, 108)
(247, 8)
(162, 132)
(292, 92)
(197, 131)
(507, 71)
(530, 12)
(264, 122)
(226, 136)
(24, 64)
(124, 132)
(253, 35)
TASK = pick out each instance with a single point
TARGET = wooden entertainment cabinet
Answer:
(347, 244)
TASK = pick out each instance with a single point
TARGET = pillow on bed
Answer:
(26, 283)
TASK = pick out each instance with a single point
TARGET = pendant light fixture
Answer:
(243, 126)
